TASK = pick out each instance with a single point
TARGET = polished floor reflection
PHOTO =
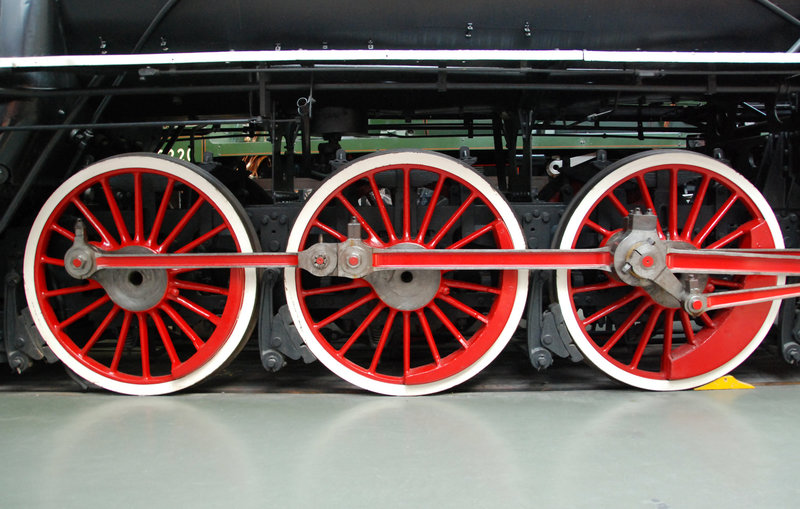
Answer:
(607, 448)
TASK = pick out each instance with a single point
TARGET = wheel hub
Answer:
(640, 260)
(134, 289)
(406, 290)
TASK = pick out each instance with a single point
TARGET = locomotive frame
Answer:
(670, 265)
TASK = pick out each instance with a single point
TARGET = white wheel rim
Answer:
(243, 321)
(571, 229)
(359, 167)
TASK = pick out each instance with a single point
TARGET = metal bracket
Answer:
(21, 340)
(547, 332)
(640, 260)
(789, 332)
(79, 260)
(277, 336)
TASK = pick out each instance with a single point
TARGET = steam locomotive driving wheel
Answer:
(141, 330)
(406, 332)
(638, 335)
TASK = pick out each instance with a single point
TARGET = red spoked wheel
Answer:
(641, 340)
(407, 332)
(142, 331)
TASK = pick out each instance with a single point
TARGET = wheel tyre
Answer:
(46, 243)
(710, 353)
(503, 315)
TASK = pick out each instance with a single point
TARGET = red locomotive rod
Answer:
(751, 261)
(442, 259)
(194, 261)
(735, 261)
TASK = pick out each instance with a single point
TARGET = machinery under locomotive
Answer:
(398, 195)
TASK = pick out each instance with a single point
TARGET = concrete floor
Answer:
(573, 448)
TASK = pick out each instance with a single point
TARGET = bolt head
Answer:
(354, 260)
(697, 305)
(648, 261)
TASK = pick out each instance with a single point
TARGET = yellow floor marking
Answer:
(726, 382)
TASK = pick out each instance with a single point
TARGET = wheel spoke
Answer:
(108, 240)
(380, 306)
(605, 285)
(622, 209)
(196, 308)
(426, 221)
(406, 204)
(426, 331)
(697, 204)
(100, 329)
(115, 213)
(356, 283)
(688, 331)
(626, 325)
(121, 340)
(464, 285)
(672, 211)
(452, 221)
(666, 357)
(165, 338)
(199, 287)
(371, 235)
(144, 345)
(614, 306)
(138, 207)
(52, 261)
(448, 324)
(182, 325)
(373, 367)
(596, 227)
(464, 308)
(202, 238)
(387, 222)
(330, 231)
(63, 232)
(724, 283)
(474, 235)
(714, 221)
(164, 246)
(406, 343)
(648, 201)
(345, 310)
(162, 212)
(644, 339)
(83, 312)
(70, 290)
(739, 232)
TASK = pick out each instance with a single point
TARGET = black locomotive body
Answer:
(523, 137)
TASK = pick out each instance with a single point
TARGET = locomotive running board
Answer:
(360, 56)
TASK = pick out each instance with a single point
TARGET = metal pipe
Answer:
(667, 89)
(127, 125)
